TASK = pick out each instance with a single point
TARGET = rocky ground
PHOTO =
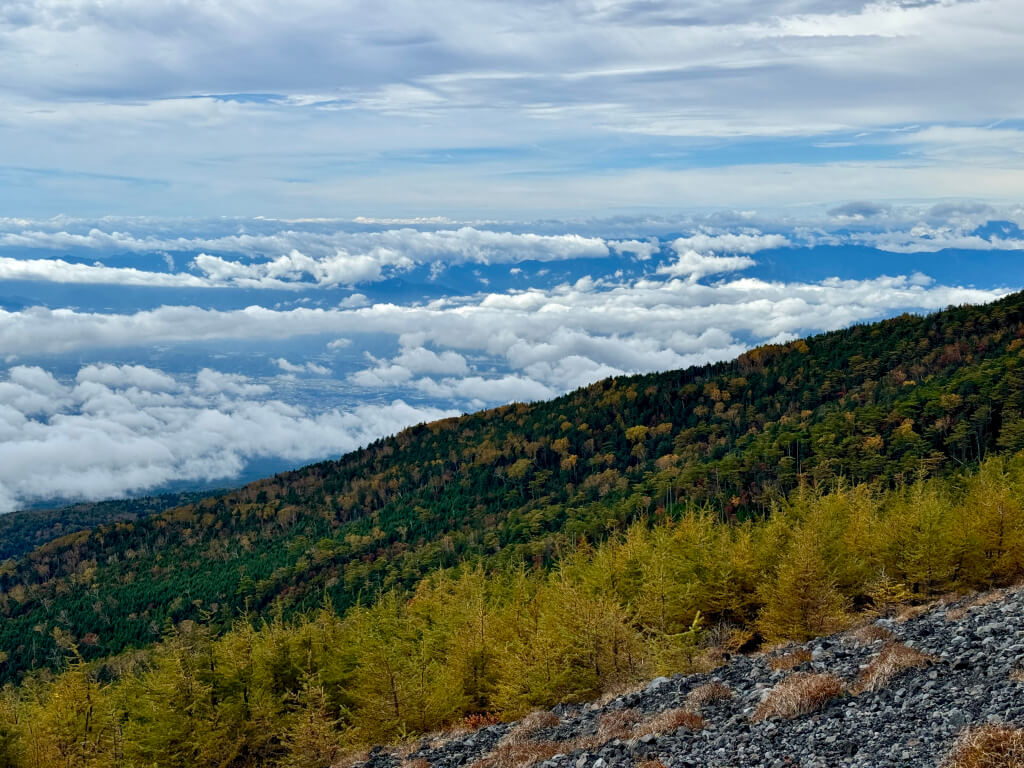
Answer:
(893, 693)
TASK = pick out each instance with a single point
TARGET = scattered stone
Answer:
(911, 719)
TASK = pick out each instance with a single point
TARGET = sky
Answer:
(239, 237)
(490, 108)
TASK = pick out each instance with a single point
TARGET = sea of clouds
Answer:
(141, 354)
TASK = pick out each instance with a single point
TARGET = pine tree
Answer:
(313, 739)
(802, 601)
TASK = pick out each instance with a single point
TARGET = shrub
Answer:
(890, 661)
(477, 721)
(990, 746)
(799, 694)
(705, 694)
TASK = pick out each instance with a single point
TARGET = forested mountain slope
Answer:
(23, 531)
(885, 401)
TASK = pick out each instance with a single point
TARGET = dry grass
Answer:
(529, 725)
(517, 749)
(348, 759)
(650, 764)
(799, 694)
(419, 762)
(890, 661)
(521, 754)
(669, 721)
(616, 725)
(477, 721)
(401, 749)
(990, 746)
(623, 689)
(705, 694)
(1017, 675)
(957, 613)
(908, 612)
(869, 633)
(790, 660)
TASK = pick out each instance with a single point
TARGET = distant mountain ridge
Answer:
(881, 402)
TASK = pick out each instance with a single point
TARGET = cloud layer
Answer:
(125, 429)
(191, 375)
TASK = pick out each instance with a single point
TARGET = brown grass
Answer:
(705, 694)
(957, 613)
(616, 725)
(890, 661)
(799, 694)
(669, 721)
(908, 612)
(790, 660)
(1017, 675)
(520, 754)
(525, 728)
(990, 746)
(348, 759)
(622, 689)
(477, 721)
(518, 750)
(869, 633)
(650, 764)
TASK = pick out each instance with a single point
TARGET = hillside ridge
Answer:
(883, 402)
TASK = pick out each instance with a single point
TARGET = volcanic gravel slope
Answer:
(966, 662)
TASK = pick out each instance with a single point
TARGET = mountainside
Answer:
(882, 402)
(915, 691)
(21, 532)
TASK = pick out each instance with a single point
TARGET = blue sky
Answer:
(236, 237)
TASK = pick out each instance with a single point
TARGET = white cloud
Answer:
(60, 271)
(643, 250)
(381, 376)
(354, 301)
(478, 391)
(421, 360)
(299, 258)
(729, 242)
(629, 325)
(125, 429)
(697, 259)
(288, 367)
(697, 265)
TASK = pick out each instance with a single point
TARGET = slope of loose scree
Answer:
(956, 700)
